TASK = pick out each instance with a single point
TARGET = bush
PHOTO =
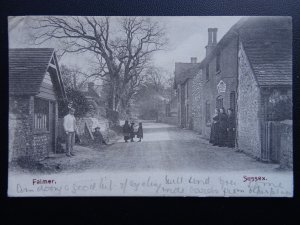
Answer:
(112, 116)
(79, 102)
(280, 108)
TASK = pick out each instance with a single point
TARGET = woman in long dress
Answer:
(231, 129)
(132, 133)
(126, 131)
(223, 118)
(214, 136)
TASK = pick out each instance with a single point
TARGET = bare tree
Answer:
(73, 77)
(122, 49)
(152, 94)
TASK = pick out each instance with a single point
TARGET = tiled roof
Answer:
(184, 71)
(27, 67)
(267, 41)
(269, 51)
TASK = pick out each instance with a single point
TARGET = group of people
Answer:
(223, 128)
(129, 131)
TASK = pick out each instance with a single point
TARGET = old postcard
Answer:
(150, 106)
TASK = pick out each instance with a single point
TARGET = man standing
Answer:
(70, 128)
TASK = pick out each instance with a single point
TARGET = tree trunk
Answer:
(113, 97)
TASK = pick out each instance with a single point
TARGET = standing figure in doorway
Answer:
(214, 133)
(231, 129)
(70, 129)
(223, 128)
(126, 131)
(139, 133)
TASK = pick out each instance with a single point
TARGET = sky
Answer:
(187, 38)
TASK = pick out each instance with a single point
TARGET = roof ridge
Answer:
(29, 48)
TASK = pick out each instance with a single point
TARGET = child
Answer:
(139, 133)
(126, 131)
(98, 136)
(132, 134)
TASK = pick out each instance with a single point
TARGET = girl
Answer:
(126, 131)
(139, 133)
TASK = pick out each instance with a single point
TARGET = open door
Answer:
(52, 141)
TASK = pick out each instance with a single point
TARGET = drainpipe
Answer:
(237, 93)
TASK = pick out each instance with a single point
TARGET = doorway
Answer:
(219, 102)
(52, 112)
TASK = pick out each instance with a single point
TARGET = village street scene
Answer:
(200, 94)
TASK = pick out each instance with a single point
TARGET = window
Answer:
(187, 88)
(207, 112)
(41, 114)
(219, 102)
(218, 66)
(232, 100)
(207, 72)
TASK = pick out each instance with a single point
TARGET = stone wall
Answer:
(178, 95)
(286, 144)
(189, 104)
(196, 110)
(40, 146)
(248, 102)
(19, 127)
(88, 124)
(23, 140)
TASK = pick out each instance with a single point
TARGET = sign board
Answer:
(221, 86)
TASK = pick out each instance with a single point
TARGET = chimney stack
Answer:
(212, 40)
(193, 59)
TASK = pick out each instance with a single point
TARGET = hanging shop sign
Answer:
(221, 86)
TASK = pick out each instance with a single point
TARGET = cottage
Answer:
(35, 87)
(250, 71)
(96, 103)
(265, 88)
(219, 76)
(184, 72)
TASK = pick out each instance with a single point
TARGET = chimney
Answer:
(212, 40)
(193, 59)
(91, 86)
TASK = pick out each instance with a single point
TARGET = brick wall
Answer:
(196, 110)
(228, 73)
(248, 123)
(286, 144)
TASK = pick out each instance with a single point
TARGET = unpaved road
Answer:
(168, 148)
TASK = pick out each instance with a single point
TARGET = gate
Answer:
(271, 141)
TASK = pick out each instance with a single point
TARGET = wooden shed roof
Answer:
(27, 68)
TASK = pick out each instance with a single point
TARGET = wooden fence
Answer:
(271, 141)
